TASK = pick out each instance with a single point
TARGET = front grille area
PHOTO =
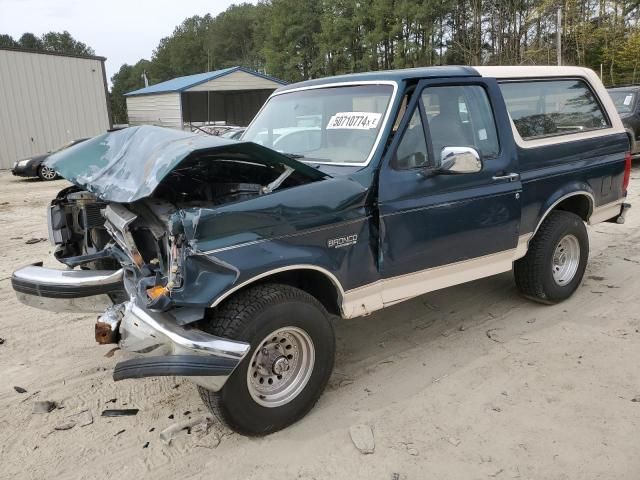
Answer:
(92, 218)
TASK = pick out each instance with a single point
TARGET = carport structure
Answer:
(231, 96)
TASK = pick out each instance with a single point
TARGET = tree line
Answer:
(58, 42)
(300, 39)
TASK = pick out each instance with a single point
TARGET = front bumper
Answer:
(66, 290)
(169, 349)
(206, 359)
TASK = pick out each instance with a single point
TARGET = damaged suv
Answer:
(223, 261)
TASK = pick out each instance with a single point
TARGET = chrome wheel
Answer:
(280, 367)
(47, 173)
(566, 259)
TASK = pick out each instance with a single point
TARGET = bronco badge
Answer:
(342, 241)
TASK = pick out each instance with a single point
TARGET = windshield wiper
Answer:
(294, 156)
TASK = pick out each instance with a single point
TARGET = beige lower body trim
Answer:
(383, 293)
(605, 212)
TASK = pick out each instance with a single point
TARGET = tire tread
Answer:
(231, 319)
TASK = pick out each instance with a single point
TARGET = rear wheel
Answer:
(288, 365)
(46, 173)
(556, 260)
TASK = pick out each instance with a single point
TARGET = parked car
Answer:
(626, 101)
(223, 261)
(35, 166)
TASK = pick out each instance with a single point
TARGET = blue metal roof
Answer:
(180, 84)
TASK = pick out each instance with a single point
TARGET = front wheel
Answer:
(289, 363)
(556, 260)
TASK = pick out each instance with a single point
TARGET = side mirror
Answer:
(456, 160)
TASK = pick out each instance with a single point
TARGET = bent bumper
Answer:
(206, 359)
(172, 349)
(66, 290)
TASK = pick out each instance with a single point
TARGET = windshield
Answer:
(327, 125)
(623, 100)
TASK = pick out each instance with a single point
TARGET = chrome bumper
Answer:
(174, 350)
(66, 290)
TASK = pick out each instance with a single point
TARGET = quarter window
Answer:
(554, 107)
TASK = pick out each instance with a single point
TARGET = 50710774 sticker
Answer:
(354, 120)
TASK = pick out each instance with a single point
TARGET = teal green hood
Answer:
(127, 165)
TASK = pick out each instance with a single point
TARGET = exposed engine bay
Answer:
(145, 237)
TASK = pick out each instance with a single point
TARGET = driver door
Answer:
(440, 229)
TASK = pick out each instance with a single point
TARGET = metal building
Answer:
(48, 99)
(231, 96)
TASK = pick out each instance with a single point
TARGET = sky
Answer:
(124, 31)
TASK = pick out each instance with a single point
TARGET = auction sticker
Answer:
(354, 120)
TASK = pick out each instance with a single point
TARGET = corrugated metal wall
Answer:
(46, 101)
(162, 110)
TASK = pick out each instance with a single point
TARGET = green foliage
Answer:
(60, 42)
(127, 79)
(7, 41)
(301, 39)
(65, 43)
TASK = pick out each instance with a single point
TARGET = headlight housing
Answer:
(23, 163)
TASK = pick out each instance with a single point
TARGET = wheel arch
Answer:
(316, 281)
(580, 202)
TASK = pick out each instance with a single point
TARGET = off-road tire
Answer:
(534, 272)
(250, 316)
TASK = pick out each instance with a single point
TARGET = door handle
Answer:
(511, 177)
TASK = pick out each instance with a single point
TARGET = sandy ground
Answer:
(470, 382)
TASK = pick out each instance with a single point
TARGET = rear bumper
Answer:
(620, 218)
(66, 290)
(24, 171)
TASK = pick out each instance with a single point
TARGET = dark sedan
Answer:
(34, 166)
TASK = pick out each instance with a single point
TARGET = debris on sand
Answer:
(82, 418)
(43, 406)
(597, 278)
(31, 241)
(120, 412)
(492, 335)
(65, 426)
(20, 389)
(110, 353)
(362, 438)
(636, 399)
(172, 431)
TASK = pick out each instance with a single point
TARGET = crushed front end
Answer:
(126, 232)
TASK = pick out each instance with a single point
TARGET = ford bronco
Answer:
(223, 261)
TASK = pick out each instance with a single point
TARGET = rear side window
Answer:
(552, 107)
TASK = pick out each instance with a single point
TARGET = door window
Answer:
(412, 151)
(461, 116)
